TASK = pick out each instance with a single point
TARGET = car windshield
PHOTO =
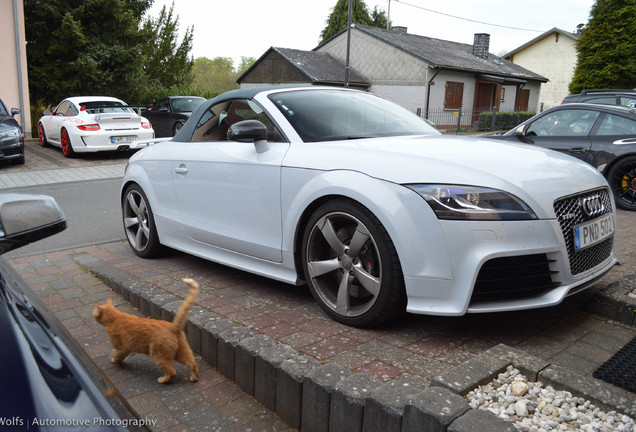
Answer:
(96, 107)
(329, 115)
(186, 104)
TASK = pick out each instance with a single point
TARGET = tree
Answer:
(359, 15)
(167, 62)
(84, 47)
(606, 48)
(219, 74)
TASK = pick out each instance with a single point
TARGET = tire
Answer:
(622, 180)
(139, 223)
(42, 136)
(67, 147)
(177, 127)
(351, 265)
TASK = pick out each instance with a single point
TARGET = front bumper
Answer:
(509, 265)
(12, 148)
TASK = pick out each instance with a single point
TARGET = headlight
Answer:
(473, 203)
(9, 133)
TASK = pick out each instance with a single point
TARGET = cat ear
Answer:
(109, 301)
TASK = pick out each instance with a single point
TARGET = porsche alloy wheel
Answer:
(139, 223)
(42, 137)
(622, 180)
(351, 265)
(67, 147)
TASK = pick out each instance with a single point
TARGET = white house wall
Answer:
(554, 60)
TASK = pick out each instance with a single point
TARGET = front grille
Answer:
(514, 277)
(569, 214)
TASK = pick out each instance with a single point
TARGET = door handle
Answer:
(181, 169)
(577, 150)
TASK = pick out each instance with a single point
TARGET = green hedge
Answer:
(503, 120)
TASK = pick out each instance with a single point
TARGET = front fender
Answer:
(409, 221)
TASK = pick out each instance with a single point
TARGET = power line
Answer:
(467, 19)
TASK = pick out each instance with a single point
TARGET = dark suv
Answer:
(11, 136)
(605, 97)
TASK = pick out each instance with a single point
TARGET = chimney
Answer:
(481, 44)
(398, 29)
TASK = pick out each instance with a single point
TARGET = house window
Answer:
(454, 95)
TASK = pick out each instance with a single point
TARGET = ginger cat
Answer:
(163, 341)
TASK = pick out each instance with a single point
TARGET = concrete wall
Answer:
(555, 58)
(9, 84)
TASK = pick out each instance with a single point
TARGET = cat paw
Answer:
(194, 379)
(164, 379)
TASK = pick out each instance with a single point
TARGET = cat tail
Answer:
(181, 316)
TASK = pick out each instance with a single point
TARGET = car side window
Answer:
(628, 101)
(62, 109)
(564, 123)
(163, 103)
(607, 100)
(215, 121)
(616, 125)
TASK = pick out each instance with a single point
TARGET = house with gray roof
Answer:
(552, 54)
(438, 79)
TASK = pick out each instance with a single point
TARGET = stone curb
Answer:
(613, 301)
(304, 392)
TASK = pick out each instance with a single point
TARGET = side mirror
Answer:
(521, 130)
(48, 112)
(14, 111)
(249, 131)
(26, 218)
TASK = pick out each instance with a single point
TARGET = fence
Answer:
(468, 120)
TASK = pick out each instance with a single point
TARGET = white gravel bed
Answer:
(532, 407)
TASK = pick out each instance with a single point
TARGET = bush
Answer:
(503, 120)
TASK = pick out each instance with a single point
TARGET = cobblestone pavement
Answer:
(414, 349)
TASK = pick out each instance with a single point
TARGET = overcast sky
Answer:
(247, 28)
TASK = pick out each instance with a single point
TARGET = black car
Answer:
(48, 381)
(602, 135)
(604, 96)
(167, 115)
(11, 136)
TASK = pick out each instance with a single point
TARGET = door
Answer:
(484, 99)
(564, 130)
(228, 193)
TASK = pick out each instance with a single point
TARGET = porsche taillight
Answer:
(89, 127)
(146, 125)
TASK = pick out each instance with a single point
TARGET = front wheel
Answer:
(139, 223)
(67, 147)
(177, 127)
(622, 181)
(351, 265)
(42, 136)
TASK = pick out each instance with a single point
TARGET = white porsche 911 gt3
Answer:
(91, 124)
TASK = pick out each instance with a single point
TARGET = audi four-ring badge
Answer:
(370, 206)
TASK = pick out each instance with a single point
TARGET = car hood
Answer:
(8, 121)
(536, 175)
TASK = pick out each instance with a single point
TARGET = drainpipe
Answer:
(519, 96)
(18, 53)
(428, 90)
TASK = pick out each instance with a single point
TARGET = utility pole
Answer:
(346, 78)
(388, 17)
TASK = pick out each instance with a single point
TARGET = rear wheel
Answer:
(177, 128)
(139, 223)
(42, 136)
(622, 180)
(67, 147)
(351, 265)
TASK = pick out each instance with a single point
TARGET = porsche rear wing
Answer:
(137, 108)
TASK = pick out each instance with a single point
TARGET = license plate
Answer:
(122, 139)
(593, 232)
